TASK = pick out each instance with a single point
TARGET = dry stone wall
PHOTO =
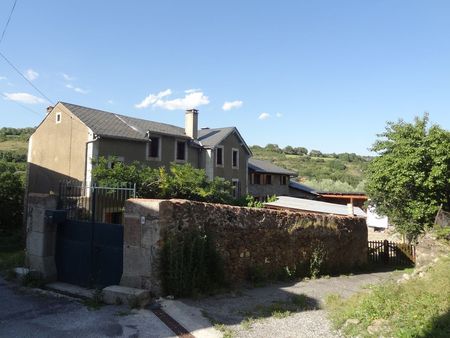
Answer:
(246, 238)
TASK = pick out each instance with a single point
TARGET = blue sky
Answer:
(326, 75)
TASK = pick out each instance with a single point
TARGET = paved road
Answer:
(28, 313)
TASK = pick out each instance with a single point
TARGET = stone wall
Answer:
(41, 235)
(246, 238)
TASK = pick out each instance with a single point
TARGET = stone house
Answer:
(71, 136)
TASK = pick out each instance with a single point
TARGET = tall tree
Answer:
(410, 178)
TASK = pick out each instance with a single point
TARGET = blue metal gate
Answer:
(89, 243)
(89, 254)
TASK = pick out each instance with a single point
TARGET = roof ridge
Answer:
(120, 115)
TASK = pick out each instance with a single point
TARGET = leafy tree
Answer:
(273, 147)
(315, 153)
(410, 178)
(301, 151)
(11, 197)
(288, 150)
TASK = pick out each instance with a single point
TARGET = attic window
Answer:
(58, 118)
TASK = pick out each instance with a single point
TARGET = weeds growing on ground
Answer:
(419, 307)
(96, 301)
(278, 309)
(227, 333)
(33, 281)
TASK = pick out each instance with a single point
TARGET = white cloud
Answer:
(279, 115)
(76, 89)
(23, 98)
(3, 78)
(193, 90)
(152, 99)
(31, 74)
(192, 99)
(263, 116)
(232, 105)
(110, 101)
(67, 77)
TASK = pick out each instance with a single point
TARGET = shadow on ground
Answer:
(440, 328)
(283, 300)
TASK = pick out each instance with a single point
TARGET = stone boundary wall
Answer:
(246, 238)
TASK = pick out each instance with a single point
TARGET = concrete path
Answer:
(235, 309)
(28, 313)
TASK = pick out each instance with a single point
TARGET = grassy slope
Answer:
(317, 170)
(419, 307)
(14, 144)
(323, 173)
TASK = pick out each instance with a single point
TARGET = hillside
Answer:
(324, 172)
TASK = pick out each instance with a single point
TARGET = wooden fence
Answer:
(391, 253)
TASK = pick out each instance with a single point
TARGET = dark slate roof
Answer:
(302, 187)
(212, 137)
(115, 125)
(261, 166)
(108, 124)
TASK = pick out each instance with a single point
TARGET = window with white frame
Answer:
(180, 151)
(235, 158)
(154, 148)
(58, 118)
(219, 156)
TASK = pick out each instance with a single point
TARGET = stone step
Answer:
(116, 294)
(70, 290)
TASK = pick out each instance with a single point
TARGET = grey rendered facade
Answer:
(71, 137)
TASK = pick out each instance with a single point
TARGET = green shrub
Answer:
(179, 181)
(190, 264)
(317, 260)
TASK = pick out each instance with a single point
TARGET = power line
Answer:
(25, 107)
(25, 78)
(7, 22)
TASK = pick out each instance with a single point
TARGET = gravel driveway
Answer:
(235, 309)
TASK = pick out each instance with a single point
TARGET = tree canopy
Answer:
(410, 178)
(11, 197)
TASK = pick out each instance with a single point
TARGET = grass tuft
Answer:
(420, 307)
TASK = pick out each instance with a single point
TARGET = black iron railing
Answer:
(94, 203)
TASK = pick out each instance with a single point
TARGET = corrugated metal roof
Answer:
(261, 166)
(301, 204)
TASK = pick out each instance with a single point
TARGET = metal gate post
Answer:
(386, 251)
(93, 210)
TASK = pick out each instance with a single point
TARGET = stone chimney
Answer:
(191, 123)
